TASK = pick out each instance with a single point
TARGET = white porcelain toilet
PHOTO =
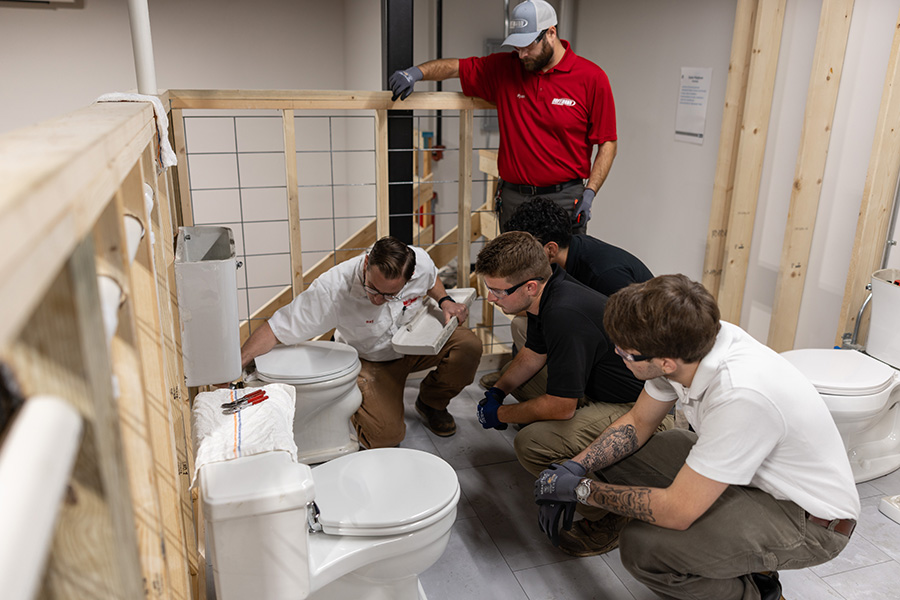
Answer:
(862, 394)
(361, 527)
(862, 390)
(324, 375)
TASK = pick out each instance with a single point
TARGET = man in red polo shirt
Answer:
(553, 107)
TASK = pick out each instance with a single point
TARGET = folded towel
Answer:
(166, 156)
(259, 428)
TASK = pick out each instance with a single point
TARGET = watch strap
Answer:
(441, 301)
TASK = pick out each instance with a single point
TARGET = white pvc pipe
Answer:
(142, 42)
(35, 465)
(134, 233)
(110, 302)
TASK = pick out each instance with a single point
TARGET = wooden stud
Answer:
(466, 131)
(382, 191)
(293, 200)
(748, 172)
(824, 83)
(183, 180)
(878, 196)
(723, 184)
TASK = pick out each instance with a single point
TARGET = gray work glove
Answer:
(554, 492)
(403, 81)
(583, 207)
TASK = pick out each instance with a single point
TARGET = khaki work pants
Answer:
(379, 420)
(745, 531)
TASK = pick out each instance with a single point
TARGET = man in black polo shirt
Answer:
(588, 385)
(596, 264)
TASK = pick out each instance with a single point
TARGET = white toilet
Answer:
(324, 375)
(862, 390)
(361, 527)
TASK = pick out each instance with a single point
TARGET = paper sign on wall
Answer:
(690, 117)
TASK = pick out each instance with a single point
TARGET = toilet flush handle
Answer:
(312, 517)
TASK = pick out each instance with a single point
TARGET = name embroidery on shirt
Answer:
(563, 102)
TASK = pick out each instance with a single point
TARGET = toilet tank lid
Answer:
(307, 360)
(254, 485)
(382, 488)
(841, 372)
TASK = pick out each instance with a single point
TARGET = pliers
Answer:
(244, 401)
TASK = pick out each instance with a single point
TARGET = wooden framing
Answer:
(878, 195)
(752, 145)
(723, 185)
(824, 82)
(293, 200)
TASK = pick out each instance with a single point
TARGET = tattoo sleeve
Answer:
(629, 501)
(613, 445)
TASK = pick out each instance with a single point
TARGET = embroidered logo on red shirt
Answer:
(563, 102)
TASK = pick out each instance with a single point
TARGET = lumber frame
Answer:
(821, 99)
(726, 163)
(878, 196)
(752, 146)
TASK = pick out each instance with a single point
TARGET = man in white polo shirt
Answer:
(764, 483)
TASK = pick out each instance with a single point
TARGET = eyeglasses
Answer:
(536, 41)
(508, 291)
(632, 357)
(369, 289)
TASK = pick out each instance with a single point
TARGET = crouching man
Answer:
(763, 485)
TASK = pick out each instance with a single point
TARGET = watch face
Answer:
(583, 490)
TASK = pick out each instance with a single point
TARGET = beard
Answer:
(541, 60)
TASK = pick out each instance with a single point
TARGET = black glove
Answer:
(583, 207)
(549, 515)
(487, 409)
(403, 81)
(554, 492)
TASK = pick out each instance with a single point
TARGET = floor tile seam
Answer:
(851, 569)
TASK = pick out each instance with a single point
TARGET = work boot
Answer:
(768, 585)
(488, 380)
(590, 538)
(440, 422)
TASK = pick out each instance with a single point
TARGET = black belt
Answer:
(532, 190)
(842, 526)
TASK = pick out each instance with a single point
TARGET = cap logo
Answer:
(518, 24)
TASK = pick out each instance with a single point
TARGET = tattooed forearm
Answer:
(629, 501)
(613, 445)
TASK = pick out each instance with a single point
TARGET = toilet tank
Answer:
(206, 284)
(883, 341)
(255, 511)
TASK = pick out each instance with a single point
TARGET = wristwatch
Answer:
(583, 490)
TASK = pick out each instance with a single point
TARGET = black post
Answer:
(397, 43)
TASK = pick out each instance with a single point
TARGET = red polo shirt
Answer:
(549, 122)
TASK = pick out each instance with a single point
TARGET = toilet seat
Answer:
(307, 363)
(842, 372)
(384, 492)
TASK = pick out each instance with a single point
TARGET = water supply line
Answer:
(142, 42)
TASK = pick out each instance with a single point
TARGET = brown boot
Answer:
(590, 538)
(440, 422)
(488, 380)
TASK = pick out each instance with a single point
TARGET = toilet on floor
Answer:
(324, 376)
(862, 390)
(360, 527)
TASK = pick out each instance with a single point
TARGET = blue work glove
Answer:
(554, 492)
(583, 207)
(487, 409)
(403, 81)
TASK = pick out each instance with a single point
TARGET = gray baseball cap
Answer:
(529, 19)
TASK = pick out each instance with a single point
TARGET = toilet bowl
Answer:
(324, 376)
(360, 527)
(862, 394)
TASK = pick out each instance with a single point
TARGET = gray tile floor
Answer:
(496, 550)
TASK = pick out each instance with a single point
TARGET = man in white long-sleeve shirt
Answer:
(366, 300)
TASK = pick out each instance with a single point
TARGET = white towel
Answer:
(259, 428)
(166, 156)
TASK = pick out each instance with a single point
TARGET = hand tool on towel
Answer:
(245, 398)
(244, 404)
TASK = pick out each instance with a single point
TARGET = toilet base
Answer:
(354, 587)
